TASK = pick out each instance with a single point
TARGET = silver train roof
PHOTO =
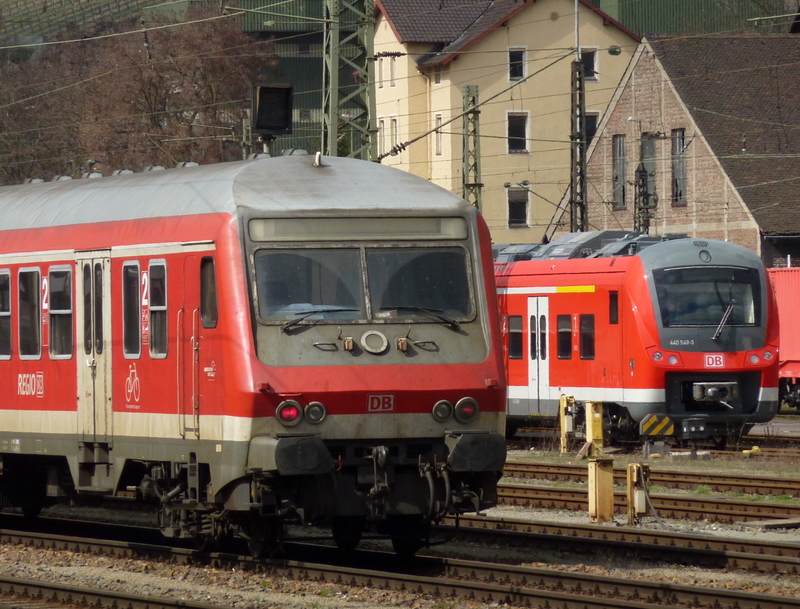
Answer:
(276, 186)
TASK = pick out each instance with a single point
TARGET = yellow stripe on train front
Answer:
(572, 289)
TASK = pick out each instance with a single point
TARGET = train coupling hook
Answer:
(379, 457)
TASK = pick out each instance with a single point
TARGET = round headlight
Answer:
(442, 410)
(289, 413)
(466, 410)
(673, 359)
(754, 358)
(657, 356)
(767, 354)
(316, 412)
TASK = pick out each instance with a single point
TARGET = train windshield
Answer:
(706, 296)
(409, 281)
(329, 283)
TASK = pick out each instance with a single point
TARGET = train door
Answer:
(93, 312)
(538, 358)
(189, 351)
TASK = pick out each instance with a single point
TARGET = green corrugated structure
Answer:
(697, 16)
(42, 18)
(295, 16)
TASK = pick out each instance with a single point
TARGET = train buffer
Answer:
(656, 426)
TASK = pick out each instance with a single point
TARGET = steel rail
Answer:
(440, 578)
(666, 506)
(732, 554)
(742, 483)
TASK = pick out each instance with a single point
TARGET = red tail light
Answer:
(289, 413)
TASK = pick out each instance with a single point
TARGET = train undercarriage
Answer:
(393, 491)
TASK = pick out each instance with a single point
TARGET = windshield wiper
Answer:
(437, 313)
(305, 314)
(724, 319)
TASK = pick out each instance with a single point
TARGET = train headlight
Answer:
(466, 410)
(673, 359)
(754, 358)
(767, 355)
(442, 410)
(657, 356)
(289, 413)
(315, 412)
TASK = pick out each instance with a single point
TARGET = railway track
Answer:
(446, 579)
(722, 483)
(711, 551)
(666, 506)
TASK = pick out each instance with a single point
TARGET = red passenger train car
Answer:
(685, 328)
(786, 283)
(247, 344)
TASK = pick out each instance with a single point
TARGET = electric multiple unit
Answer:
(685, 328)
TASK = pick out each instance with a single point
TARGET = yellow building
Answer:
(518, 53)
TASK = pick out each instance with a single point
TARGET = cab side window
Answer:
(208, 293)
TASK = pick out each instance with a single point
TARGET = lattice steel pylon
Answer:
(578, 220)
(472, 188)
(348, 80)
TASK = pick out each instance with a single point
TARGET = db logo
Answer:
(380, 403)
(715, 360)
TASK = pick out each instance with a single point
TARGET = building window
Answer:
(208, 293)
(564, 336)
(381, 136)
(131, 310)
(516, 64)
(515, 337)
(60, 289)
(439, 139)
(517, 133)
(30, 314)
(158, 309)
(679, 167)
(619, 169)
(589, 60)
(393, 133)
(648, 165)
(392, 71)
(592, 119)
(437, 75)
(517, 208)
(5, 315)
(587, 336)
(380, 72)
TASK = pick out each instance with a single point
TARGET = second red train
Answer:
(685, 328)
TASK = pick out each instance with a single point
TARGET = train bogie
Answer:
(683, 328)
(252, 344)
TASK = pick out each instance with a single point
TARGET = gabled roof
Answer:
(453, 26)
(743, 92)
(433, 21)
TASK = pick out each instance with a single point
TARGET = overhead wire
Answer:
(462, 52)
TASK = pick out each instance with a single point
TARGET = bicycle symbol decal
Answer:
(132, 389)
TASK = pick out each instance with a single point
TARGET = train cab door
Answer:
(538, 356)
(93, 313)
(188, 341)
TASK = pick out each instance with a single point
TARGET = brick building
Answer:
(702, 137)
